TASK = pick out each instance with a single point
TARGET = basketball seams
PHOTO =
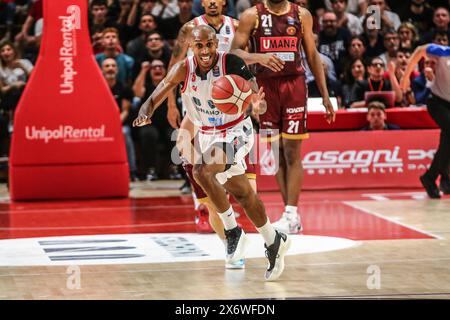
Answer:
(236, 100)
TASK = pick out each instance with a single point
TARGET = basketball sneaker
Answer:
(444, 184)
(275, 254)
(202, 220)
(240, 264)
(288, 223)
(237, 243)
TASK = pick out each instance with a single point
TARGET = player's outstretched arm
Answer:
(419, 53)
(315, 63)
(240, 41)
(175, 76)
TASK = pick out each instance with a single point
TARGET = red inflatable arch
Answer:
(67, 141)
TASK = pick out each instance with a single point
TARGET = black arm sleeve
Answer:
(237, 66)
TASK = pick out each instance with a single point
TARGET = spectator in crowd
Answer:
(136, 47)
(334, 87)
(355, 50)
(419, 13)
(14, 74)
(356, 71)
(440, 37)
(155, 140)
(376, 82)
(441, 20)
(391, 42)
(165, 9)
(155, 50)
(7, 15)
(110, 38)
(389, 19)
(124, 97)
(333, 41)
(171, 26)
(376, 117)
(409, 37)
(303, 4)
(29, 42)
(373, 38)
(355, 7)
(325, 59)
(98, 22)
(421, 84)
(199, 9)
(126, 19)
(346, 19)
(242, 5)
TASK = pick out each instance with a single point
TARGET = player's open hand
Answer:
(259, 105)
(272, 62)
(330, 115)
(141, 120)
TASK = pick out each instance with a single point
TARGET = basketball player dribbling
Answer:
(283, 29)
(227, 138)
(225, 26)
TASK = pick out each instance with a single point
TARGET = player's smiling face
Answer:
(205, 51)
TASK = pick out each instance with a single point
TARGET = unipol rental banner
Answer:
(358, 159)
(67, 140)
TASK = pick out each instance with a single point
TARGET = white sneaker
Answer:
(288, 223)
(240, 264)
(275, 254)
(237, 243)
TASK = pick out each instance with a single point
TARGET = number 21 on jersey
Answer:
(266, 21)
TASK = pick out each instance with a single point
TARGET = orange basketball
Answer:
(231, 94)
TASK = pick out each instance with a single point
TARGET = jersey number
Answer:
(293, 126)
(266, 21)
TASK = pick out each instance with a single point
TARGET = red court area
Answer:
(323, 213)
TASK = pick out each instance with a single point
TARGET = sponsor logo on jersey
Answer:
(290, 21)
(267, 31)
(295, 110)
(194, 88)
(227, 30)
(216, 71)
(291, 30)
(270, 44)
(193, 78)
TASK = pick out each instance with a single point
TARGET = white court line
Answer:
(365, 210)
(103, 227)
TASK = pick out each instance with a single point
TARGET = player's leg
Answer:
(293, 132)
(205, 175)
(276, 243)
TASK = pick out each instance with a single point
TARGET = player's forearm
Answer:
(249, 58)
(158, 96)
(396, 87)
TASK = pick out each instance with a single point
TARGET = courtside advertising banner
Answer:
(358, 160)
(67, 140)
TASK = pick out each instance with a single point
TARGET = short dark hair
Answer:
(439, 33)
(404, 50)
(148, 34)
(99, 3)
(376, 105)
(390, 31)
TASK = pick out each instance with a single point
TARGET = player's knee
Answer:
(292, 156)
(245, 197)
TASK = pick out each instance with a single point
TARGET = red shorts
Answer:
(200, 194)
(286, 107)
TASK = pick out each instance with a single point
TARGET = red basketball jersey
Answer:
(281, 35)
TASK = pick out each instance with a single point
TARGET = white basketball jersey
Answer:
(196, 95)
(225, 34)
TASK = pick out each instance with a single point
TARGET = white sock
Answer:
(228, 219)
(268, 233)
(291, 210)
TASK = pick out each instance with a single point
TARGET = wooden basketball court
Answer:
(356, 244)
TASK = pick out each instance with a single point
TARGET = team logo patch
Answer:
(291, 30)
(194, 88)
(227, 30)
(216, 71)
(290, 21)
